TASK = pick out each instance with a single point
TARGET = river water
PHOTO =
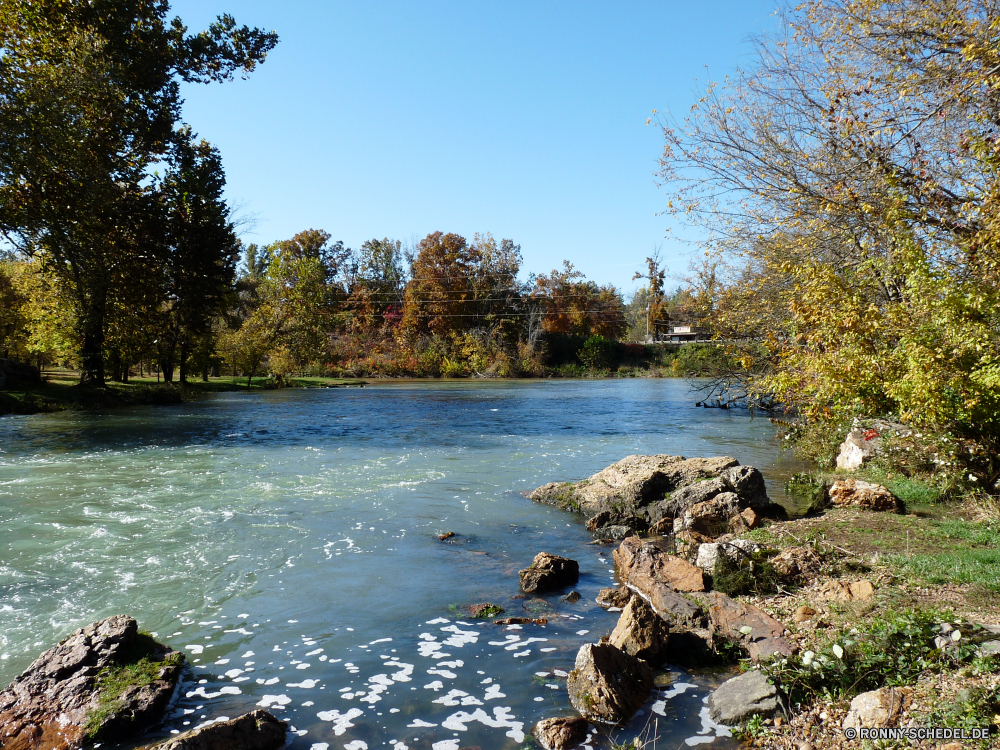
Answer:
(287, 542)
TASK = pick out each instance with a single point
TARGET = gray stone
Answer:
(607, 685)
(561, 733)
(743, 697)
(708, 554)
(878, 708)
(258, 730)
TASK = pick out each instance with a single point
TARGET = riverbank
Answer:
(61, 391)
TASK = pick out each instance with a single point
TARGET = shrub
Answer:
(597, 353)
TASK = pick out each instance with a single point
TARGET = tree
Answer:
(654, 294)
(439, 298)
(571, 304)
(199, 250)
(89, 99)
(849, 179)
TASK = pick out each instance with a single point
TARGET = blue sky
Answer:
(526, 120)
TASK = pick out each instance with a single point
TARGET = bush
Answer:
(745, 574)
(598, 353)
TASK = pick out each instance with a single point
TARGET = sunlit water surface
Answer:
(287, 543)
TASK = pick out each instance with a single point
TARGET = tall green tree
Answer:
(89, 103)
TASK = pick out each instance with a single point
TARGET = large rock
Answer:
(49, 705)
(878, 708)
(614, 597)
(257, 730)
(641, 565)
(646, 486)
(748, 626)
(641, 632)
(549, 573)
(743, 697)
(710, 517)
(561, 733)
(856, 493)
(14, 374)
(607, 685)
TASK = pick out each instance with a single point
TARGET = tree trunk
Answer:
(92, 355)
(167, 365)
(183, 363)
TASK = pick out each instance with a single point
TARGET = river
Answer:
(287, 542)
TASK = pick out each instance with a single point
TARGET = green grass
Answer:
(137, 668)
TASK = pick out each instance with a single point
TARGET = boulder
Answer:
(748, 626)
(643, 564)
(607, 685)
(736, 700)
(648, 487)
(561, 733)
(855, 493)
(549, 573)
(711, 517)
(640, 632)
(258, 730)
(613, 597)
(864, 442)
(878, 708)
(14, 374)
(797, 563)
(708, 553)
(49, 704)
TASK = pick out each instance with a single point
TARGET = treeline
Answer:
(849, 179)
(309, 305)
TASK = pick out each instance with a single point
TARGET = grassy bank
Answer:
(63, 391)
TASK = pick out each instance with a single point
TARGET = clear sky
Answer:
(527, 120)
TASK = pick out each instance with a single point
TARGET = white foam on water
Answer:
(230, 690)
(248, 654)
(305, 684)
(522, 653)
(341, 722)
(274, 700)
(493, 691)
(303, 666)
(436, 685)
(313, 653)
(547, 650)
(443, 673)
(445, 745)
(458, 698)
(438, 621)
(356, 745)
(420, 724)
(195, 648)
(319, 746)
(452, 664)
(501, 719)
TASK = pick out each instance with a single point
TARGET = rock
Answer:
(613, 597)
(742, 697)
(708, 553)
(522, 621)
(710, 517)
(855, 493)
(14, 374)
(615, 532)
(257, 730)
(446, 535)
(572, 597)
(803, 613)
(640, 631)
(48, 705)
(750, 519)
(663, 527)
(842, 591)
(485, 610)
(799, 563)
(561, 733)
(642, 564)
(640, 485)
(864, 442)
(549, 573)
(608, 685)
(688, 542)
(878, 708)
(730, 618)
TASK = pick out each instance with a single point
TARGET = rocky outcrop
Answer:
(549, 573)
(878, 708)
(653, 488)
(59, 703)
(561, 733)
(642, 565)
(743, 697)
(710, 517)
(855, 493)
(607, 685)
(258, 730)
(641, 632)
(15, 374)
(759, 633)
